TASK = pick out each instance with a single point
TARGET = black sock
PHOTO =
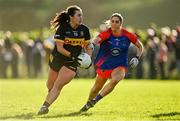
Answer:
(46, 104)
(98, 97)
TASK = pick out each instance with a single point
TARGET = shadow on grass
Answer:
(162, 115)
(29, 116)
(69, 115)
(20, 116)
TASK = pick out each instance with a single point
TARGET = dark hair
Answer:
(63, 17)
(117, 15)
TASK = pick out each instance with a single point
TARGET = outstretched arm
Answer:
(140, 48)
(134, 61)
(89, 48)
(97, 40)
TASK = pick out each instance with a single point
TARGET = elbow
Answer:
(142, 48)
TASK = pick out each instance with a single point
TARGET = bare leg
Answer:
(99, 83)
(52, 76)
(117, 75)
(64, 77)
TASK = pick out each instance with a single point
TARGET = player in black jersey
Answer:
(71, 37)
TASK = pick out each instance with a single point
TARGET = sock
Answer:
(46, 104)
(98, 97)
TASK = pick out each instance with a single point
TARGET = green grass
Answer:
(131, 100)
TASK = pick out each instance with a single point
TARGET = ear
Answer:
(70, 17)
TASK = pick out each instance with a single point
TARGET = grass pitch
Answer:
(20, 99)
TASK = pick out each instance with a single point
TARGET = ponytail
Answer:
(59, 19)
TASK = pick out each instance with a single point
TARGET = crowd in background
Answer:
(27, 56)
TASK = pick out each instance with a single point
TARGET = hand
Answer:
(75, 59)
(91, 46)
(134, 62)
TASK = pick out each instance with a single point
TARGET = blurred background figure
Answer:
(27, 49)
(171, 62)
(10, 56)
(162, 56)
(37, 57)
(1, 58)
(177, 50)
(152, 49)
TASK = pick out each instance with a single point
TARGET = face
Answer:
(115, 23)
(77, 18)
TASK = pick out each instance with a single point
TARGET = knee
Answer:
(59, 85)
(49, 85)
(114, 82)
(118, 78)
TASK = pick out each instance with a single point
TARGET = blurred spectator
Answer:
(1, 58)
(10, 56)
(27, 49)
(151, 53)
(171, 52)
(37, 55)
(177, 50)
(162, 56)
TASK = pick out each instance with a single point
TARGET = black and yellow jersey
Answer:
(73, 39)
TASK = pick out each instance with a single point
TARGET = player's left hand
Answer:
(134, 62)
(75, 59)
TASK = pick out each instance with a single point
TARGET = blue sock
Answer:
(98, 97)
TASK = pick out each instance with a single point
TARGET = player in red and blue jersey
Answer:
(112, 59)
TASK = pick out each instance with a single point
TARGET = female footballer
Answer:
(112, 59)
(70, 38)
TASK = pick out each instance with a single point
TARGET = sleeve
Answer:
(104, 35)
(87, 36)
(132, 37)
(60, 34)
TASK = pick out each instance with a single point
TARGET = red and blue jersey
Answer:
(113, 50)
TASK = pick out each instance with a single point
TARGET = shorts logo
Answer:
(51, 58)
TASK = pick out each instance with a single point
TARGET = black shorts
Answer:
(56, 63)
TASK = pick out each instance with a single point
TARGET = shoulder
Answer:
(84, 27)
(108, 31)
(61, 27)
(131, 36)
(105, 34)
